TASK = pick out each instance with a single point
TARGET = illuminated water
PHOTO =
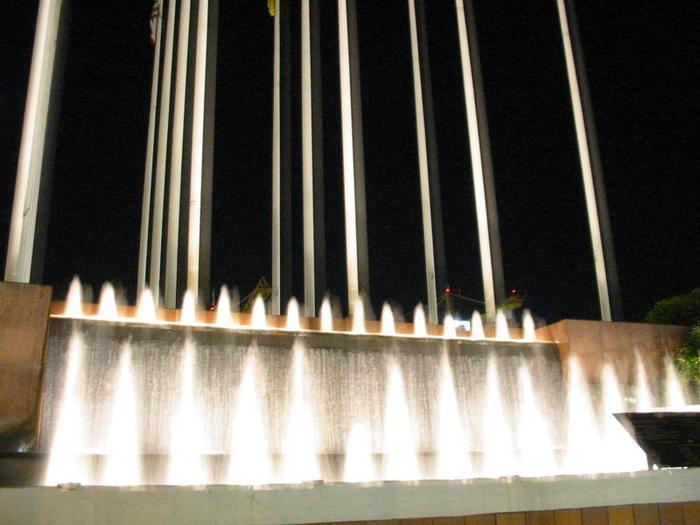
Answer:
(535, 449)
(249, 457)
(449, 328)
(188, 404)
(419, 324)
(584, 444)
(122, 447)
(107, 308)
(502, 332)
(528, 327)
(258, 318)
(223, 309)
(293, 321)
(358, 317)
(387, 320)
(675, 396)
(477, 326)
(326, 316)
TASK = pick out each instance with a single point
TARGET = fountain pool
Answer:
(128, 402)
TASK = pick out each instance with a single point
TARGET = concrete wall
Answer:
(666, 497)
(24, 311)
(595, 343)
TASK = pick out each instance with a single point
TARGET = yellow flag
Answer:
(271, 7)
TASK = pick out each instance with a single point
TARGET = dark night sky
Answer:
(640, 57)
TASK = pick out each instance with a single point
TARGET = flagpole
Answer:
(487, 161)
(591, 170)
(317, 153)
(431, 139)
(148, 174)
(25, 207)
(195, 209)
(307, 163)
(171, 262)
(162, 155)
(353, 155)
(423, 169)
(484, 193)
(208, 152)
(276, 197)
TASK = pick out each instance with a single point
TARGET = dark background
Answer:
(640, 58)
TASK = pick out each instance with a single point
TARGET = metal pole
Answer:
(312, 157)
(307, 163)
(485, 248)
(281, 162)
(486, 160)
(591, 169)
(162, 155)
(195, 207)
(423, 169)
(21, 241)
(353, 155)
(176, 157)
(208, 153)
(276, 172)
(148, 174)
(433, 162)
(318, 171)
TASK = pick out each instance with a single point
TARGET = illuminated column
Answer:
(276, 190)
(197, 157)
(591, 169)
(482, 168)
(281, 161)
(353, 154)
(171, 262)
(148, 174)
(26, 240)
(205, 290)
(162, 155)
(312, 157)
(427, 159)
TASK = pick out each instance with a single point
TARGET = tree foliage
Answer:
(688, 360)
(680, 310)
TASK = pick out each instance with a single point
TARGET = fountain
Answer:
(419, 324)
(223, 309)
(141, 400)
(249, 456)
(123, 460)
(326, 316)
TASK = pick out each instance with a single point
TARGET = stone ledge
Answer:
(477, 500)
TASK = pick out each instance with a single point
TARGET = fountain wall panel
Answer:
(595, 344)
(311, 387)
(24, 312)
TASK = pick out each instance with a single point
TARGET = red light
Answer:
(447, 290)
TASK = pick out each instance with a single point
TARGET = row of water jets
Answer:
(146, 312)
(522, 447)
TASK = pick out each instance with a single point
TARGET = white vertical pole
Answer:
(348, 156)
(276, 172)
(200, 81)
(31, 154)
(308, 163)
(148, 174)
(176, 157)
(477, 166)
(423, 169)
(586, 167)
(162, 155)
